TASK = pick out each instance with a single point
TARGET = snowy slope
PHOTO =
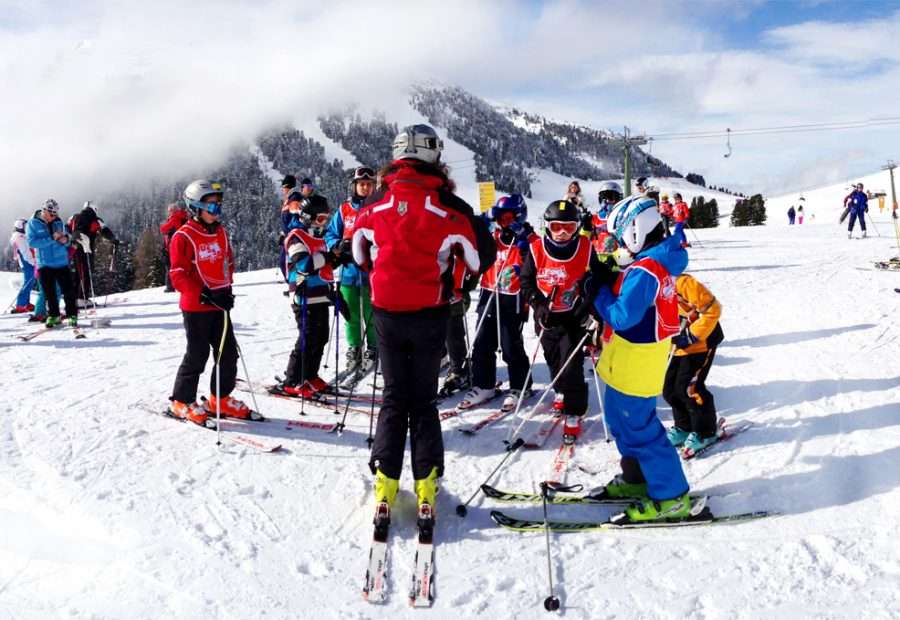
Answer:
(107, 511)
(827, 203)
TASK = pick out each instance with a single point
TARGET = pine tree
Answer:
(149, 269)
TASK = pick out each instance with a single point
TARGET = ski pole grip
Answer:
(518, 443)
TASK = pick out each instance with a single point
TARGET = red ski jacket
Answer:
(410, 237)
(200, 256)
(175, 221)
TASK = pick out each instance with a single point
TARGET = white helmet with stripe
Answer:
(631, 220)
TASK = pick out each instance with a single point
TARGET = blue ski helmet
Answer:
(514, 203)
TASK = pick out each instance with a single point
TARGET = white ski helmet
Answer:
(19, 225)
(632, 220)
(609, 186)
(418, 142)
(198, 190)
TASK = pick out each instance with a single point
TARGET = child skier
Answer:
(693, 407)
(51, 240)
(681, 212)
(354, 284)
(551, 275)
(608, 195)
(25, 258)
(666, 212)
(501, 289)
(202, 269)
(309, 277)
(640, 311)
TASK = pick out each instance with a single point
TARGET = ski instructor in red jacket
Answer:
(408, 237)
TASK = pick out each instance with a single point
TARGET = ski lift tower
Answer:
(626, 141)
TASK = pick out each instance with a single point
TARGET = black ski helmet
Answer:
(311, 209)
(561, 211)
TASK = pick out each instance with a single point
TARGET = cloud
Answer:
(115, 92)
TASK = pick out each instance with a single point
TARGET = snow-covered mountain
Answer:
(109, 511)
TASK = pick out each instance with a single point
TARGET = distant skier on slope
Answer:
(666, 212)
(791, 213)
(176, 217)
(86, 226)
(410, 284)
(608, 195)
(25, 259)
(640, 310)
(858, 202)
(681, 213)
(202, 271)
(50, 239)
(693, 406)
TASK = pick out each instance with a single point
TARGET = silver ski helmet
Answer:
(418, 142)
(609, 191)
(51, 206)
(19, 225)
(197, 190)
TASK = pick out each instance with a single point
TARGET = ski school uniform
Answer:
(309, 277)
(25, 258)
(640, 314)
(201, 258)
(551, 274)
(693, 406)
(354, 283)
(501, 286)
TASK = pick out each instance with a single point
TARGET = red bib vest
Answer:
(666, 302)
(314, 245)
(348, 216)
(562, 275)
(505, 269)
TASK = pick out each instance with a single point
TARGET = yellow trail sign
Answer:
(487, 195)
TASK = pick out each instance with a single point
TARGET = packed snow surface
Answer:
(109, 511)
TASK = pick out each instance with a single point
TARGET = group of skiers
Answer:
(410, 252)
(57, 257)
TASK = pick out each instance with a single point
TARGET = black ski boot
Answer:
(456, 381)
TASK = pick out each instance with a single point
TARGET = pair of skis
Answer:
(231, 429)
(574, 495)
(77, 332)
(421, 591)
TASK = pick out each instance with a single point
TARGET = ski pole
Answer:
(339, 428)
(872, 221)
(303, 356)
(599, 396)
(519, 400)
(552, 383)
(370, 439)
(462, 509)
(247, 375)
(551, 603)
(468, 348)
(690, 228)
(225, 318)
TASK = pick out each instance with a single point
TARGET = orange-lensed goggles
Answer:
(559, 227)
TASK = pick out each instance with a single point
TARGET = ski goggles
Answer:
(213, 208)
(318, 221)
(364, 173)
(562, 227)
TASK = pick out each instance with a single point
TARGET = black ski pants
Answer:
(484, 356)
(558, 342)
(50, 277)
(203, 331)
(455, 344)
(693, 406)
(312, 325)
(82, 262)
(409, 350)
(853, 217)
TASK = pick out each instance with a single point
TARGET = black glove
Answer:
(345, 252)
(587, 221)
(541, 309)
(221, 298)
(522, 237)
(469, 284)
(684, 338)
(607, 272)
(589, 286)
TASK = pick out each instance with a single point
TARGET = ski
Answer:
(421, 592)
(540, 435)
(318, 402)
(705, 517)
(560, 465)
(724, 433)
(328, 427)
(560, 494)
(227, 426)
(374, 590)
(496, 416)
(32, 335)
